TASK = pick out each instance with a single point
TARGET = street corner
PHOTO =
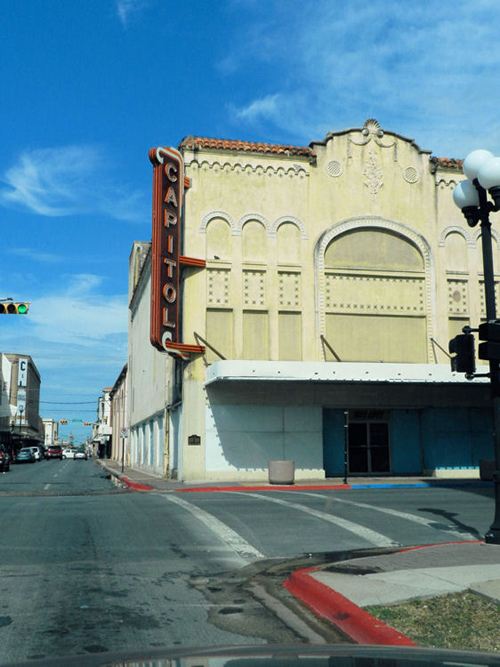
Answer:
(354, 622)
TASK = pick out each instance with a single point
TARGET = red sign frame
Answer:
(166, 259)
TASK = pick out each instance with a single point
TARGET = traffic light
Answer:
(464, 361)
(14, 308)
(490, 333)
(87, 423)
(63, 421)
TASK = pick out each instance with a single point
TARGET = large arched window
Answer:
(373, 292)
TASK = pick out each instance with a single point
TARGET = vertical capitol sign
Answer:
(166, 259)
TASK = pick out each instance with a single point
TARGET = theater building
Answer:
(316, 281)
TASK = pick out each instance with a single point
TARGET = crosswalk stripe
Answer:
(371, 536)
(235, 542)
(429, 523)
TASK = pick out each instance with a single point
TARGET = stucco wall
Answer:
(241, 439)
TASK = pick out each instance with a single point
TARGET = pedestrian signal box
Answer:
(14, 308)
(464, 361)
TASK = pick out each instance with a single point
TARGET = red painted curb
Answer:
(356, 623)
(135, 485)
(274, 487)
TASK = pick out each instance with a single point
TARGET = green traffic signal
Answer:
(14, 308)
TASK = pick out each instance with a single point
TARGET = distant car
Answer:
(36, 452)
(81, 456)
(68, 453)
(4, 459)
(54, 452)
(25, 455)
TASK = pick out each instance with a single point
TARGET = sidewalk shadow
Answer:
(452, 518)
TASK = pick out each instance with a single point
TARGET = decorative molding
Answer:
(458, 297)
(447, 182)
(372, 131)
(290, 219)
(374, 177)
(218, 287)
(255, 217)
(216, 214)
(294, 170)
(254, 288)
(395, 295)
(334, 168)
(375, 222)
(494, 235)
(455, 229)
(289, 289)
(411, 175)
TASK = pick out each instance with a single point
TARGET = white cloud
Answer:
(68, 180)
(126, 8)
(36, 255)
(265, 107)
(421, 69)
(79, 314)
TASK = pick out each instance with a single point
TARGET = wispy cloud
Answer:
(68, 180)
(127, 8)
(421, 69)
(81, 313)
(35, 255)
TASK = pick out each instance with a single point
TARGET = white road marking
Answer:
(46, 487)
(234, 541)
(371, 536)
(423, 521)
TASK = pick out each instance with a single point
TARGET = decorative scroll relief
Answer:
(374, 177)
(218, 287)
(289, 289)
(372, 132)
(347, 293)
(254, 288)
(458, 301)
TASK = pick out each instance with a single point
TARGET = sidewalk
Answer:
(142, 481)
(339, 592)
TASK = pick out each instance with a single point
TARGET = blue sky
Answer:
(88, 87)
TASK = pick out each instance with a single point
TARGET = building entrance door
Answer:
(369, 447)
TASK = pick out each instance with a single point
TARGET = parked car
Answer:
(4, 459)
(81, 456)
(36, 452)
(54, 452)
(25, 455)
(68, 453)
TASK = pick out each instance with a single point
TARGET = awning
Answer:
(334, 372)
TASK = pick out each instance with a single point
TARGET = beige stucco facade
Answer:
(349, 250)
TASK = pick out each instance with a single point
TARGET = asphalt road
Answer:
(87, 567)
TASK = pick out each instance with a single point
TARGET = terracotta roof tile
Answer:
(447, 162)
(245, 146)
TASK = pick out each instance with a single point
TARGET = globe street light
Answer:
(482, 169)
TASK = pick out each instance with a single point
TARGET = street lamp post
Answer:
(471, 196)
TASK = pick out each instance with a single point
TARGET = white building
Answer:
(101, 429)
(51, 431)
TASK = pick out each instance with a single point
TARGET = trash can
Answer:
(281, 471)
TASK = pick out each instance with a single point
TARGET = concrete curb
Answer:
(135, 486)
(333, 487)
(351, 620)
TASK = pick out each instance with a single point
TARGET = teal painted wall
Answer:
(420, 439)
(404, 430)
(333, 442)
(456, 437)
